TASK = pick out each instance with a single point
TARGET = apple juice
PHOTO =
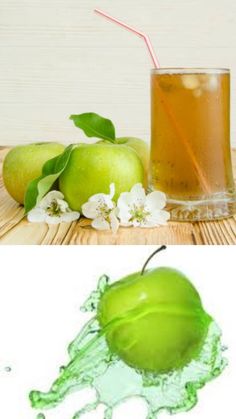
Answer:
(190, 141)
(92, 364)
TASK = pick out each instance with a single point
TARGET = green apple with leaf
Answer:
(24, 163)
(154, 319)
(93, 167)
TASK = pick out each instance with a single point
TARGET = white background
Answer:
(41, 290)
(58, 58)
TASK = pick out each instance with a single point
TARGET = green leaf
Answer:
(95, 125)
(51, 171)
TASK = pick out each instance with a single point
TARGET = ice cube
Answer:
(212, 83)
(190, 81)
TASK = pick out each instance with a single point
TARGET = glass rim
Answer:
(190, 70)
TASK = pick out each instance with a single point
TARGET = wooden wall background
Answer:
(58, 58)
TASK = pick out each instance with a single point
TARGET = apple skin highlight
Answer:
(154, 322)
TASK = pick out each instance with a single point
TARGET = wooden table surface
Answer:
(15, 229)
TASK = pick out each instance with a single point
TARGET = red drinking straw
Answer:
(197, 167)
(139, 33)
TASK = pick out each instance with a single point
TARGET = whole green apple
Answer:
(154, 320)
(24, 163)
(93, 167)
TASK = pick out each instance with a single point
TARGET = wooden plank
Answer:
(83, 234)
(217, 232)
(14, 229)
(30, 234)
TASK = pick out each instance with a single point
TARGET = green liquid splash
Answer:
(91, 364)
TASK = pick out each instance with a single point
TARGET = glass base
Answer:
(217, 208)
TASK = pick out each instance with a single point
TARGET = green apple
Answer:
(154, 321)
(141, 148)
(93, 167)
(24, 163)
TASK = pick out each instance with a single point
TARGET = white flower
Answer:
(138, 209)
(52, 209)
(102, 210)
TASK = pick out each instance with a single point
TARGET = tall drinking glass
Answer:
(190, 142)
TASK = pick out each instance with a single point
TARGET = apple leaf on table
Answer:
(51, 171)
(95, 125)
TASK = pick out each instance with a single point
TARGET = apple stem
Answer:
(151, 256)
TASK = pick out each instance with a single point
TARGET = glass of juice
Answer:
(190, 142)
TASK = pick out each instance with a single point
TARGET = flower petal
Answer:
(36, 215)
(102, 199)
(125, 224)
(124, 200)
(136, 223)
(91, 209)
(100, 224)
(159, 217)
(164, 217)
(112, 190)
(52, 219)
(138, 195)
(51, 196)
(155, 200)
(124, 215)
(114, 222)
(62, 204)
(128, 200)
(70, 216)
